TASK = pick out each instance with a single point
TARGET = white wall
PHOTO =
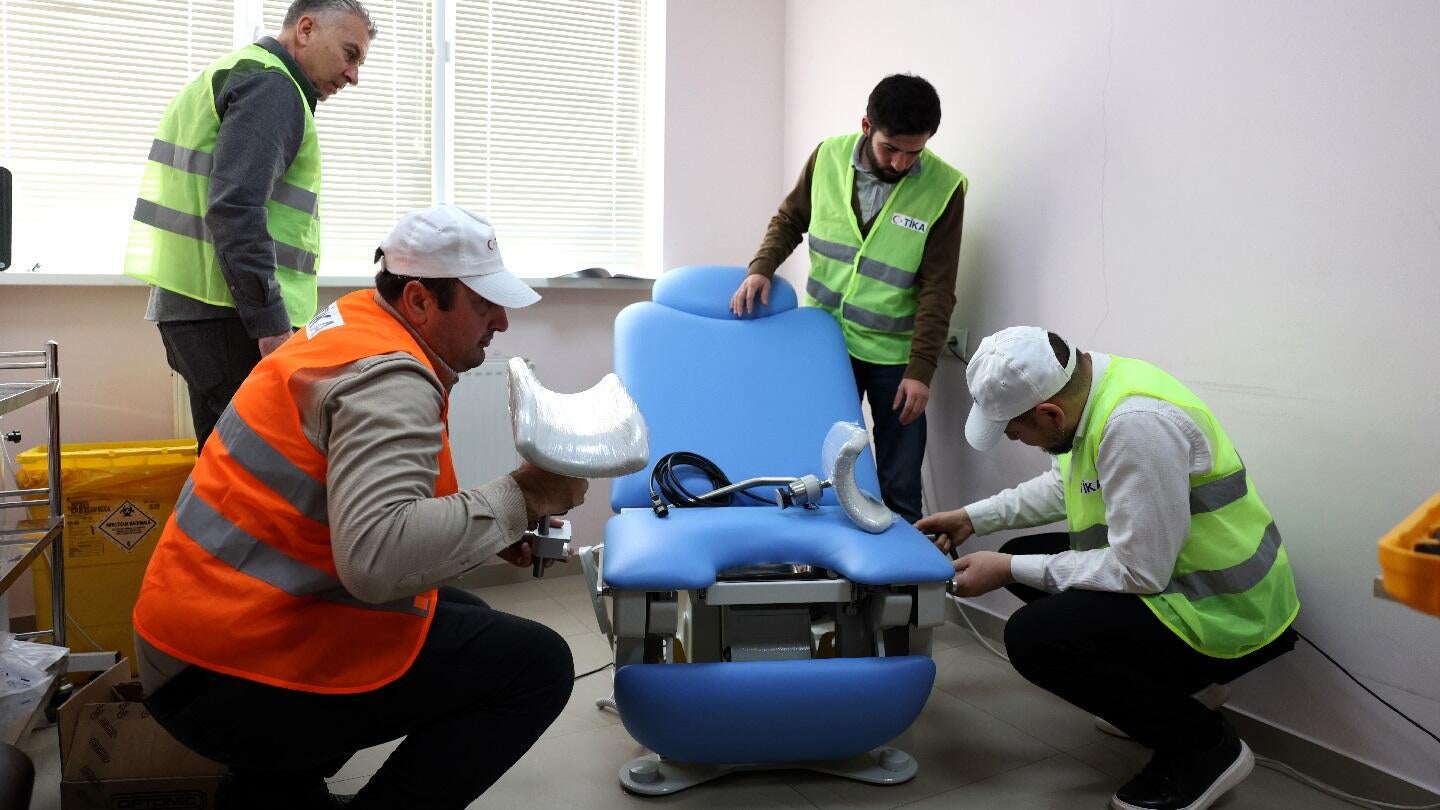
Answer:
(1247, 194)
(723, 117)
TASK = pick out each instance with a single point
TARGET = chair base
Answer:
(653, 775)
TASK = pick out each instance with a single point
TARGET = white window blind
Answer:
(547, 121)
(375, 137)
(549, 130)
(82, 88)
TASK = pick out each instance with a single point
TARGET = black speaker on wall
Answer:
(4, 218)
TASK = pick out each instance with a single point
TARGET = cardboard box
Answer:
(114, 756)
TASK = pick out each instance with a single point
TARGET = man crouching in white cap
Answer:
(292, 613)
(1171, 580)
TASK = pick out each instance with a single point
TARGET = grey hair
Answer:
(300, 8)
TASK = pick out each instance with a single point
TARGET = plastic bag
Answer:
(23, 681)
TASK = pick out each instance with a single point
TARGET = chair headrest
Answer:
(705, 290)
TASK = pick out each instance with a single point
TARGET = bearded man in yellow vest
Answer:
(293, 612)
(227, 223)
(884, 215)
(1171, 580)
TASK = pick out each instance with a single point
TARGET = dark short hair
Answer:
(1060, 347)
(300, 8)
(904, 104)
(391, 285)
(1077, 381)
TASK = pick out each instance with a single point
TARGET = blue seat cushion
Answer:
(772, 711)
(689, 548)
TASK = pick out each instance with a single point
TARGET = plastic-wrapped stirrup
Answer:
(598, 433)
(843, 445)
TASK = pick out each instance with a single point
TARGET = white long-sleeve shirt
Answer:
(1150, 449)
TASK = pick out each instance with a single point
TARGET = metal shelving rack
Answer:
(16, 527)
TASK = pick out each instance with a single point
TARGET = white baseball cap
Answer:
(449, 242)
(1013, 371)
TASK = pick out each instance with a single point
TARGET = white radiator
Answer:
(180, 399)
(481, 439)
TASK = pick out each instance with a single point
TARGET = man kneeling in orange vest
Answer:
(290, 615)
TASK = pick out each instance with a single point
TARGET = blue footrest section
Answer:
(772, 711)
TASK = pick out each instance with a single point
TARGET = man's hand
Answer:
(547, 493)
(981, 572)
(742, 303)
(517, 554)
(521, 554)
(950, 528)
(912, 395)
(270, 343)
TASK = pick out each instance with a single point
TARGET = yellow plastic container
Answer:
(118, 496)
(1412, 576)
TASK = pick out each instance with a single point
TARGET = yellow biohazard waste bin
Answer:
(118, 496)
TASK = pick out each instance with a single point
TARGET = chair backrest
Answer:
(754, 395)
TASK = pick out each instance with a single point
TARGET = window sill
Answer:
(330, 282)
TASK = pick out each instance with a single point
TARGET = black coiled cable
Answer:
(666, 489)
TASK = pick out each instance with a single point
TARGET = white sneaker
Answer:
(1211, 697)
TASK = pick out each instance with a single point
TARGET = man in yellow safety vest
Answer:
(884, 215)
(1171, 579)
(227, 223)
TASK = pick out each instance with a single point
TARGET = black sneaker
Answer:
(1180, 780)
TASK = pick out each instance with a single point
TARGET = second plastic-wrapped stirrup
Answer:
(843, 446)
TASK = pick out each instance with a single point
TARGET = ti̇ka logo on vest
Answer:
(910, 223)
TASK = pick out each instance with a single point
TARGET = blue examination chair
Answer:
(803, 641)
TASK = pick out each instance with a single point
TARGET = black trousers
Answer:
(213, 357)
(1109, 655)
(482, 690)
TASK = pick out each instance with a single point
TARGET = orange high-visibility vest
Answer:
(243, 579)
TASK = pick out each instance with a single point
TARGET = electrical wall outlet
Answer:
(957, 342)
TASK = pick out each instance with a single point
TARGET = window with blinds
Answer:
(549, 129)
(545, 135)
(82, 87)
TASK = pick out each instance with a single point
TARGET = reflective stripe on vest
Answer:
(195, 162)
(243, 580)
(217, 535)
(868, 282)
(1203, 498)
(170, 246)
(827, 298)
(271, 467)
(1231, 590)
(183, 224)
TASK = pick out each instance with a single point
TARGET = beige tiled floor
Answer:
(987, 738)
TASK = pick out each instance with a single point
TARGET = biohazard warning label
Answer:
(127, 525)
